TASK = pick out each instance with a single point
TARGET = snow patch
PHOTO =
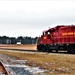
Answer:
(32, 70)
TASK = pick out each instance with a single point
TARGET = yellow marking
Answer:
(64, 33)
(69, 33)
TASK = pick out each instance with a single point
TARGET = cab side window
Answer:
(48, 33)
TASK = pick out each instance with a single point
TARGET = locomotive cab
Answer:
(46, 38)
(45, 41)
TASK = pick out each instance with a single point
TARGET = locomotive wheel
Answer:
(56, 51)
(39, 48)
(68, 51)
(49, 50)
(43, 48)
(71, 49)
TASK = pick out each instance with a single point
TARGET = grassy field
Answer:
(54, 63)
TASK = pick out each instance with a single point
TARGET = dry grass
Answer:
(54, 63)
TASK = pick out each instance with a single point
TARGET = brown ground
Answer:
(27, 47)
(56, 64)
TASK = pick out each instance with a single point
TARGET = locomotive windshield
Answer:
(44, 33)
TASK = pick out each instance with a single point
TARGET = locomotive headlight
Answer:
(44, 37)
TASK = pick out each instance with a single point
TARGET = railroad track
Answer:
(2, 69)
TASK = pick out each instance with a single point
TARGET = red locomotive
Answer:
(58, 38)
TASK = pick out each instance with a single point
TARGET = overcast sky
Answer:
(30, 18)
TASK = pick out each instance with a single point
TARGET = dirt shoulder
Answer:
(15, 46)
(56, 64)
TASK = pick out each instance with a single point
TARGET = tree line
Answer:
(20, 40)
